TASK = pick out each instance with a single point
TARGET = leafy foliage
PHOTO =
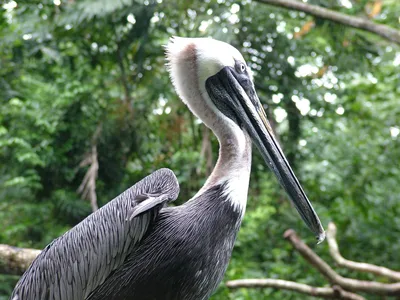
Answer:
(331, 92)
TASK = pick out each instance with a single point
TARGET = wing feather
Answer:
(78, 262)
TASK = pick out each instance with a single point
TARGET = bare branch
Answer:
(14, 260)
(384, 31)
(325, 292)
(362, 267)
(349, 284)
(88, 186)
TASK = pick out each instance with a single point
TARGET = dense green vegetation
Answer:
(74, 74)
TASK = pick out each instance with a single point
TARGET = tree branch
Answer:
(88, 186)
(384, 31)
(334, 292)
(14, 260)
(362, 267)
(350, 284)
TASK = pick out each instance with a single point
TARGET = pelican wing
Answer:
(79, 261)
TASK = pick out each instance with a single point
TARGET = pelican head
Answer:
(212, 78)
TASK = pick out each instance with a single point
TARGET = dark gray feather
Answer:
(183, 257)
(94, 243)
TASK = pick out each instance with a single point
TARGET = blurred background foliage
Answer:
(68, 68)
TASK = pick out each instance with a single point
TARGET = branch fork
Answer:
(342, 287)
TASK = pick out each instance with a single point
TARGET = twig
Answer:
(14, 260)
(384, 31)
(362, 267)
(371, 287)
(335, 292)
(88, 186)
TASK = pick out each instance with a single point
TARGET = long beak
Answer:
(244, 104)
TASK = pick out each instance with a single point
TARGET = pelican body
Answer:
(138, 248)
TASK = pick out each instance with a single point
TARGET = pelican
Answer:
(137, 247)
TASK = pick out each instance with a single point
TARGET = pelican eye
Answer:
(241, 67)
(242, 76)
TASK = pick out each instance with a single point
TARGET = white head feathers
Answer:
(210, 55)
(191, 61)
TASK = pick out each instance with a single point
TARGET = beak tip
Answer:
(321, 237)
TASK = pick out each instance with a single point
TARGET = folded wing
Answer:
(79, 261)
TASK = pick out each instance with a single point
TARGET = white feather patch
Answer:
(236, 192)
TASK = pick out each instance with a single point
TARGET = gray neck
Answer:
(233, 168)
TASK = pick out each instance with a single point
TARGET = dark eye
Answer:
(242, 68)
